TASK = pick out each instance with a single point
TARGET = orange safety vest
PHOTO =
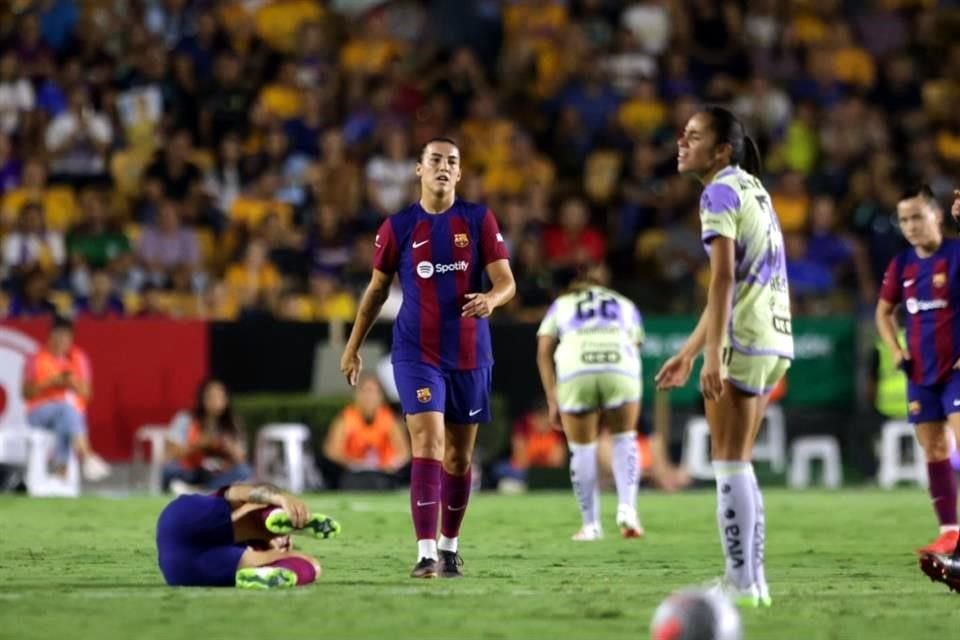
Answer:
(43, 365)
(195, 460)
(369, 441)
(540, 446)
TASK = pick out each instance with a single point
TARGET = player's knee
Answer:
(456, 462)
(936, 448)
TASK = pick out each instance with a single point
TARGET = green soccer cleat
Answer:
(748, 598)
(318, 526)
(765, 599)
(264, 578)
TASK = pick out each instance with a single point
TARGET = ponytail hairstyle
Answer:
(729, 130)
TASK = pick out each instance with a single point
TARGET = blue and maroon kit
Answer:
(441, 360)
(929, 290)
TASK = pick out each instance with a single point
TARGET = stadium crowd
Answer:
(233, 159)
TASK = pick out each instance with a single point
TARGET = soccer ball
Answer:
(695, 614)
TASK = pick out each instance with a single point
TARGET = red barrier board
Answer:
(144, 370)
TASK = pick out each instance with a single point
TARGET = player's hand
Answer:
(674, 372)
(479, 306)
(553, 414)
(711, 385)
(350, 366)
(901, 360)
(295, 508)
(955, 208)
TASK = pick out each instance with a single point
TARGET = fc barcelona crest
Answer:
(460, 240)
(914, 408)
(423, 395)
(939, 279)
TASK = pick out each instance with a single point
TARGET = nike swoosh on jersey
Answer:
(474, 412)
(420, 244)
(907, 283)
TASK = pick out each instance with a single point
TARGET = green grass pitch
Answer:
(840, 564)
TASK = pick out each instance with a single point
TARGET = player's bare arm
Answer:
(546, 347)
(373, 298)
(719, 300)
(675, 371)
(269, 494)
(887, 329)
(481, 305)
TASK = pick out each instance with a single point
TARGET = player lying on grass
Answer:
(239, 537)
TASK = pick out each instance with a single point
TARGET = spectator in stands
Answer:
(95, 242)
(31, 245)
(390, 175)
(207, 449)
(102, 301)
(78, 141)
(166, 247)
(57, 388)
(57, 201)
(32, 297)
(10, 167)
(366, 444)
(172, 174)
(573, 242)
(254, 282)
(17, 97)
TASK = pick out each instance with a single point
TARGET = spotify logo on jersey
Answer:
(427, 269)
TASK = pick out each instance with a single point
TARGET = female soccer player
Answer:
(925, 280)
(238, 537)
(744, 332)
(440, 247)
(589, 361)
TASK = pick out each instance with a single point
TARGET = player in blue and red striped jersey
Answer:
(925, 280)
(440, 247)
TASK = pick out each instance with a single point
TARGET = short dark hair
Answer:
(920, 190)
(446, 139)
(62, 322)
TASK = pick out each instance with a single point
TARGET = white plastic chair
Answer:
(771, 444)
(894, 466)
(291, 437)
(696, 448)
(14, 445)
(807, 449)
(40, 482)
(155, 436)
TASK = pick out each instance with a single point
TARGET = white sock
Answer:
(448, 544)
(427, 549)
(759, 535)
(949, 527)
(626, 467)
(736, 520)
(583, 477)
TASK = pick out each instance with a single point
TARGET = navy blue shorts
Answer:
(463, 397)
(195, 546)
(933, 403)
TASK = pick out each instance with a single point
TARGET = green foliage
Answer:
(317, 412)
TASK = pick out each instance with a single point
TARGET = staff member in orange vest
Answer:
(366, 435)
(57, 387)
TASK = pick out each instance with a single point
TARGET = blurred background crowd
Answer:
(229, 159)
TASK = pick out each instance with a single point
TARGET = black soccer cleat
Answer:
(450, 563)
(426, 568)
(942, 568)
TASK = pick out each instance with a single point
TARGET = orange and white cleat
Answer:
(945, 544)
(628, 522)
